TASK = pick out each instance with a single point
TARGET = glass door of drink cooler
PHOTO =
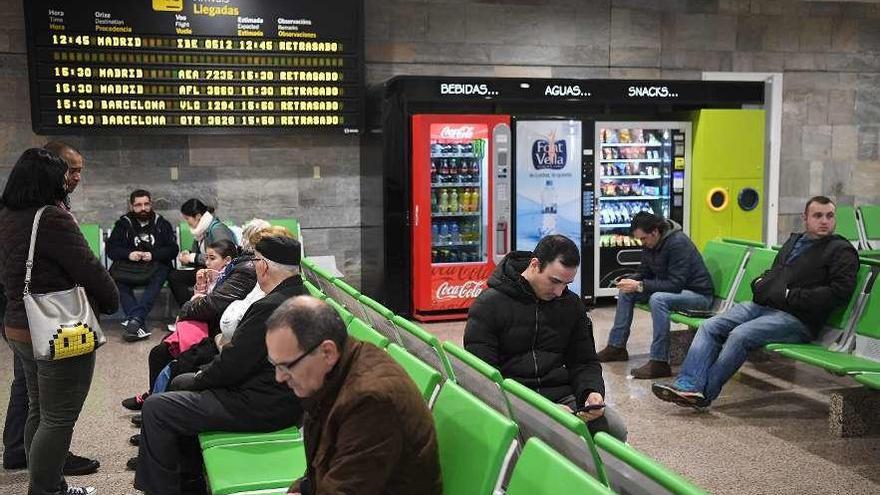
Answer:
(639, 167)
(457, 198)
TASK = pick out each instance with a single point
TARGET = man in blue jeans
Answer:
(672, 276)
(143, 240)
(814, 273)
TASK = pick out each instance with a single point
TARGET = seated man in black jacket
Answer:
(237, 391)
(671, 276)
(537, 332)
(141, 243)
(814, 273)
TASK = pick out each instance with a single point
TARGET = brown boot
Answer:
(612, 353)
(652, 369)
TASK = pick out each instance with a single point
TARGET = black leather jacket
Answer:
(234, 287)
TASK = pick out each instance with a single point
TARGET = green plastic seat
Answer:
(92, 233)
(847, 224)
(240, 468)
(184, 237)
(474, 442)
(631, 472)
(380, 318)
(691, 321)
(870, 380)
(344, 313)
(743, 242)
(840, 363)
(314, 291)
(871, 222)
(477, 377)
(360, 330)
(423, 344)
(760, 260)
(426, 378)
(211, 439)
(540, 470)
(539, 417)
(290, 224)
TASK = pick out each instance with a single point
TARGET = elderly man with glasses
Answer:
(235, 392)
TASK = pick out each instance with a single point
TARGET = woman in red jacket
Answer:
(62, 259)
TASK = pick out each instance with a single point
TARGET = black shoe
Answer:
(76, 465)
(669, 393)
(611, 353)
(137, 420)
(135, 403)
(12, 464)
(135, 439)
(132, 464)
(136, 332)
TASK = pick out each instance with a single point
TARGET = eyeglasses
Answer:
(287, 368)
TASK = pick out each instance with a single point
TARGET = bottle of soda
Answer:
(444, 233)
(475, 171)
(434, 206)
(475, 200)
(453, 170)
(464, 174)
(444, 170)
(465, 232)
(443, 207)
(466, 200)
(434, 256)
(433, 172)
(453, 202)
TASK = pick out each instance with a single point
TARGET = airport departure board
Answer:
(195, 66)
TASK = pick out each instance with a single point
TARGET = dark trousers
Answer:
(182, 282)
(139, 310)
(160, 356)
(172, 420)
(56, 393)
(16, 416)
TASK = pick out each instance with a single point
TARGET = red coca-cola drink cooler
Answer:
(453, 232)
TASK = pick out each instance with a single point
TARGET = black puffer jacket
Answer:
(674, 265)
(822, 278)
(238, 284)
(545, 345)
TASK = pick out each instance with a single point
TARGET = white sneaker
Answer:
(81, 490)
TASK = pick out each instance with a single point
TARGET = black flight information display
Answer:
(195, 66)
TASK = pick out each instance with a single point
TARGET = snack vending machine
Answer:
(639, 166)
(456, 162)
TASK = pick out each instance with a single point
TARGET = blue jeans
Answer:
(662, 303)
(723, 342)
(138, 310)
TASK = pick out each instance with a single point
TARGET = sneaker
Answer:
(134, 335)
(135, 403)
(612, 353)
(76, 465)
(652, 369)
(669, 393)
(80, 490)
(132, 464)
(135, 439)
(172, 327)
(125, 323)
(137, 420)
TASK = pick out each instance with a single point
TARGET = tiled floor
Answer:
(766, 435)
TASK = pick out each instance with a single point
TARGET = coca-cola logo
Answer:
(463, 132)
(467, 290)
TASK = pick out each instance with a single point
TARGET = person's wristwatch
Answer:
(641, 287)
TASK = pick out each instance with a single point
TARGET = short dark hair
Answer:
(139, 193)
(193, 207)
(822, 200)
(60, 148)
(311, 320)
(648, 222)
(37, 179)
(224, 247)
(553, 247)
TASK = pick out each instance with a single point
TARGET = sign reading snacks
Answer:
(195, 66)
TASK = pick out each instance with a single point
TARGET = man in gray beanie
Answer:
(235, 392)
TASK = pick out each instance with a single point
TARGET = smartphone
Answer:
(589, 407)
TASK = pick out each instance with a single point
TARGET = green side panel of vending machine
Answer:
(727, 175)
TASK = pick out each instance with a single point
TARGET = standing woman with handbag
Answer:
(206, 229)
(58, 371)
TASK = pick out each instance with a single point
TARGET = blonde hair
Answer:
(248, 229)
(270, 231)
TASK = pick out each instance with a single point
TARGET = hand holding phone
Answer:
(589, 407)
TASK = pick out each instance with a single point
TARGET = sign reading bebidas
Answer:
(195, 66)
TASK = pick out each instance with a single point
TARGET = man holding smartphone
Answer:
(671, 277)
(537, 332)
